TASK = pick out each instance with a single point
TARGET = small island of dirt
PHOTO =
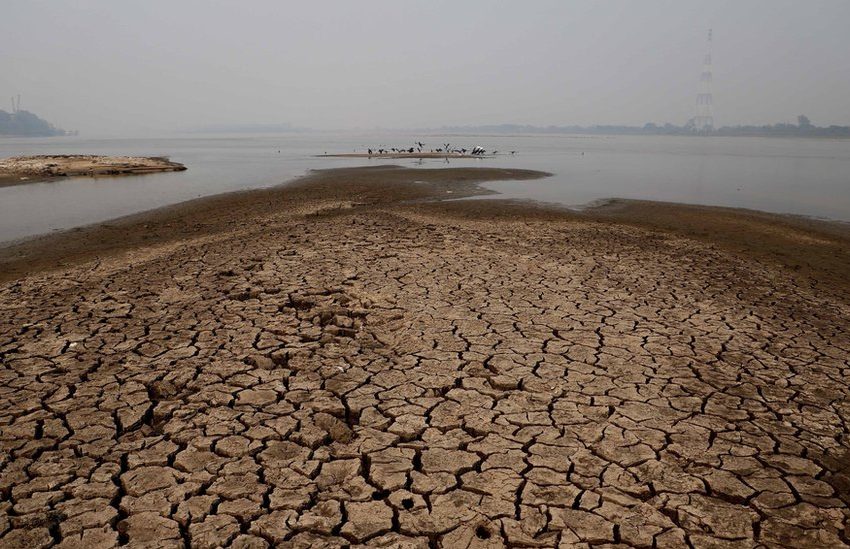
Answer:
(27, 169)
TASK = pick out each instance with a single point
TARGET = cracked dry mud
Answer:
(343, 373)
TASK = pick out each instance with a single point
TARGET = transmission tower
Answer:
(704, 119)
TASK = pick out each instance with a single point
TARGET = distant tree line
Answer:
(26, 124)
(803, 128)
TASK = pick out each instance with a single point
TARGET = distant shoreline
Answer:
(803, 130)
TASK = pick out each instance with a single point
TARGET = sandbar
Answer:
(396, 155)
(20, 170)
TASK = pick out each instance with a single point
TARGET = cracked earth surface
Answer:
(392, 376)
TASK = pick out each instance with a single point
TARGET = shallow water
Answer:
(799, 176)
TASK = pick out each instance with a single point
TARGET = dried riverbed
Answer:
(344, 362)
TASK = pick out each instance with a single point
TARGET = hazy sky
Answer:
(149, 66)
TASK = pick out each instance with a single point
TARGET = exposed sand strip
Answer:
(27, 169)
(392, 155)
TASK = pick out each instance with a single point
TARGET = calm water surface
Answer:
(799, 176)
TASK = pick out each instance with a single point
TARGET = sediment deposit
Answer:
(24, 169)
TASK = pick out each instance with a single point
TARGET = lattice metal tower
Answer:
(704, 119)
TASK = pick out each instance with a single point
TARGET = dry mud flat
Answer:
(337, 363)
(25, 169)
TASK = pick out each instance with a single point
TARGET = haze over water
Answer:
(798, 176)
(157, 66)
(160, 68)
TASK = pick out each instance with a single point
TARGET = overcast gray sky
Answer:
(153, 65)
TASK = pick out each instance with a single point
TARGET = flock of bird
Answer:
(419, 148)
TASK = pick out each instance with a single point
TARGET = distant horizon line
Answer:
(649, 127)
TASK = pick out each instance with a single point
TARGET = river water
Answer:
(798, 176)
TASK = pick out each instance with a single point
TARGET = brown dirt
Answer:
(20, 170)
(345, 362)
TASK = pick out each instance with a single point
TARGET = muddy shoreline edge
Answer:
(784, 239)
